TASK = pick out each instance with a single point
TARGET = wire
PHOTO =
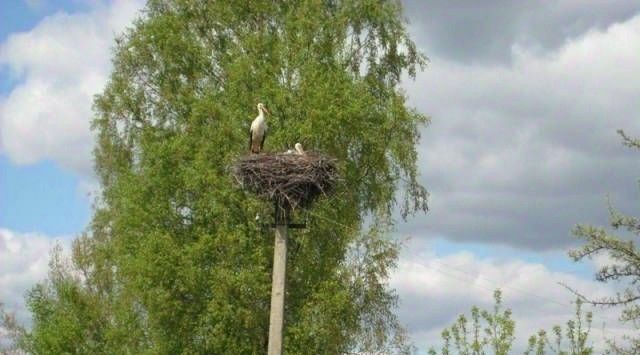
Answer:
(466, 278)
(524, 292)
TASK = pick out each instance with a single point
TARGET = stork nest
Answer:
(291, 180)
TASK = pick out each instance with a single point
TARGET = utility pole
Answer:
(278, 286)
(290, 181)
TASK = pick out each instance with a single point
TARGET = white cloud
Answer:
(25, 261)
(35, 4)
(519, 154)
(58, 65)
(435, 289)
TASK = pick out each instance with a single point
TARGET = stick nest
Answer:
(289, 179)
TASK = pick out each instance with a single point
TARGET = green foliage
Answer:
(576, 332)
(487, 330)
(492, 332)
(174, 261)
(624, 266)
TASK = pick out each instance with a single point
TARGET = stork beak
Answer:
(265, 110)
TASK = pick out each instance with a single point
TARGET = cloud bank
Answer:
(435, 289)
(486, 32)
(517, 154)
(57, 68)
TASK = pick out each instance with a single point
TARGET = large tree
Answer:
(174, 261)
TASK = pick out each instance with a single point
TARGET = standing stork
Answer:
(258, 131)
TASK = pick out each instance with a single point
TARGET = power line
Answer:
(468, 278)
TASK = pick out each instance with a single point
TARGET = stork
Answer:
(299, 149)
(258, 131)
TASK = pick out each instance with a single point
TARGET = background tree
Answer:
(492, 332)
(576, 332)
(174, 261)
(624, 266)
(487, 330)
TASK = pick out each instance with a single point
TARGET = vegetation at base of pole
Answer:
(173, 261)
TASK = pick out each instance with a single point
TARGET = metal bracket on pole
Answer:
(291, 225)
(281, 216)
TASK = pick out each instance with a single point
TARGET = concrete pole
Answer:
(276, 318)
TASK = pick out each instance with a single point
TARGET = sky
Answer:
(524, 97)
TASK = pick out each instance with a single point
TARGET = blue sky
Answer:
(19, 16)
(40, 197)
(524, 101)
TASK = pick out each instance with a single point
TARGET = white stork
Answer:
(299, 149)
(258, 131)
